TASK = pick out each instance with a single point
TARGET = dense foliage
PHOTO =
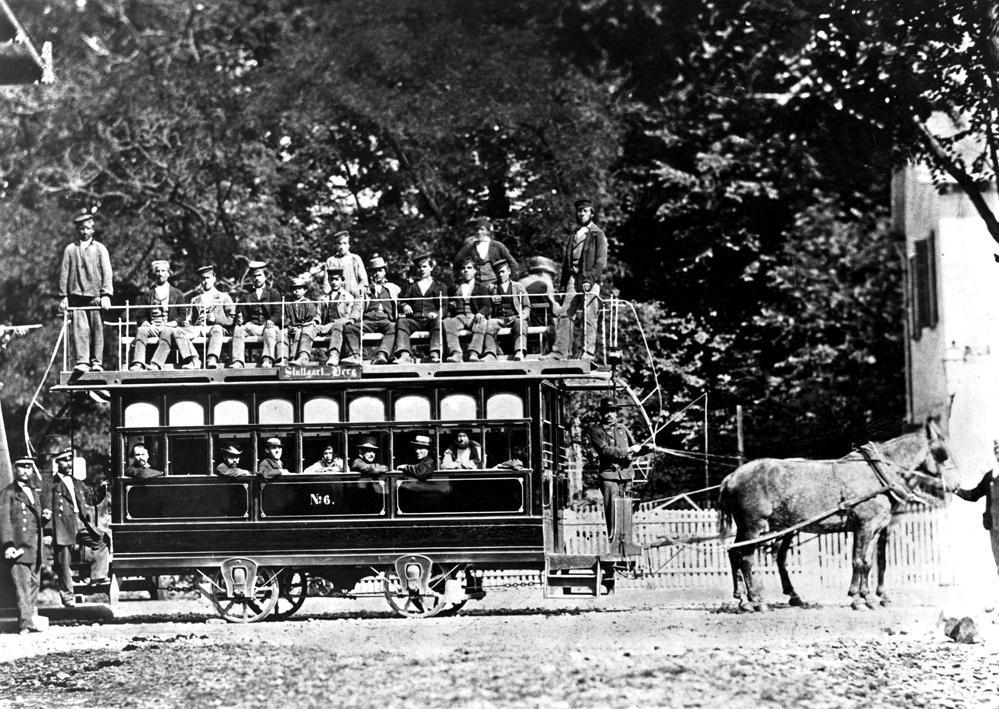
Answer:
(751, 231)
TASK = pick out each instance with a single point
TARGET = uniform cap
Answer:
(368, 442)
(272, 442)
(541, 263)
(340, 234)
(608, 404)
(232, 450)
(483, 222)
(377, 262)
(499, 262)
(205, 270)
(582, 202)
(64, 453)
(421, 441)
(84, 215)
(420, 258)
(256, 265)
(26, 460)
(335, 271)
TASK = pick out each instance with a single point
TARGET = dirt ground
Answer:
(514, 649)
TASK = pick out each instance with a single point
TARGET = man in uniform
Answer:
(420, 308)
(164, 309)
(465, 454)
(338, 310)
(367, 454)
(86, 281)
(72, 524)
(299, 314)
(140, 467)
(484, 251)
(270, 465)
(380, 314)
(469, 308)
(423, 465)
(210, 314)
(615, 447)
(508, 307)
(259, 314)
(21, 520)
(329, 463)
(229, 467)
(583, 265)
(987, 487)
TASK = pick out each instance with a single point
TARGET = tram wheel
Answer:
(414, 604)
(251, 608)
(294, 588)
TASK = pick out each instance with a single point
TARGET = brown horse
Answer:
(774, 494)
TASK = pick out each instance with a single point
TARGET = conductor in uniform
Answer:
(614, 446)
(21, 520)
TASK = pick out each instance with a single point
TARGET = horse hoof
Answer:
(761, 607)
(858, 604)
(885, 601)
(871, 603)
(796, 602)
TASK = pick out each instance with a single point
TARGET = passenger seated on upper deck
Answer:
(299, 314)
(270, 465)
(337, 310)
(485, 250)
(381, 310)
(260, 315)
(423, 465)
(464, 454)
(229, 468)
(364, 463)
(329, 463)
(540, 287)
(210, 314)
(140, 467)
(423, 312)
(469, 308)
(164, 309)
(508, 308)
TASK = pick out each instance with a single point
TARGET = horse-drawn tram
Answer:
(491, 498)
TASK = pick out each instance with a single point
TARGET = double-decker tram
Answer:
(491, 498)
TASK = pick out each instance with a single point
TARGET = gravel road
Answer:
(639, 648)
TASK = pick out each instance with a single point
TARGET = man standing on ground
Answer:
(987, 487)
(583, 264)
(21, 520)
(615, 447)
(85, 281)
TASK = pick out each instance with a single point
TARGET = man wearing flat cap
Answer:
(987, 487)
(614, 447)
(508, 307)
(379, 314)
(162, 307)
(337, 310)
(270, 465)
(229, 467)
(583, 264)
(366, 461)
(211, 314)
(86, 281)
(299, 314)
(355, 278)
(420, 309)
(21, 519)
(258, 314)
(469, 309)
(74, 523)
(484, 251)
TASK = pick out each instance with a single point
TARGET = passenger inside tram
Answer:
(423, 464)
(140, 467)
(229, 467)
(329, 463)
(366, 462)
(270, 465)
(463, 454)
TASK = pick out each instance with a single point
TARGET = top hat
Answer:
(608, 404)
(205, 270)
(541, 263)
(233, 450)
(377, 262)
(368, 442)
(421, 441)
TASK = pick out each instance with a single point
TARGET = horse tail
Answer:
(724, 507)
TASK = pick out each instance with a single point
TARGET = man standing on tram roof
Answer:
(380, 312)
(270, 465)
(210, 314)
(355, 278)
(367, 453)
(86, 281)
(326, 465)
(420, 307)
(164, 309)
(259, 314)
(583, 264)
(484, 250)
(21, 520)
(140, 467)
(229, 467)
(615, 447)
(423, 465)
(465, 454)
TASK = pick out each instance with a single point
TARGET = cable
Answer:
(34, 399)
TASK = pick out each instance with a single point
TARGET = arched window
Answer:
(142, 414)
(505, 406)
(231, 412)
(321, 409)
(458, 407)
(366, 408)
(412, 408)
(186, 413)
(276, 411)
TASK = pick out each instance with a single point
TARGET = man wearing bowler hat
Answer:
(270, 465)
(259, 314)
(420, 309)
(367, 455)
(86, 281)
(379, 314)
(229, 467)
(21, 519)
(583, 264)
(210, 314)
(614, 446)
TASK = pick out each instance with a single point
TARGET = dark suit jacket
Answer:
(175, 312)
(496, 251)
(21, 524)
(359, 465)
(612, 451)
(254, 312)
(592, 262)
(988, 488)
(479, 303)
(379, 304)
(421, 470)
(133, 471)
(430, 302)
(66, 521)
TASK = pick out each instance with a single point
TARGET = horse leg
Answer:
(882, 562)
(744, 557)
(733, 560)
(785, 579)
(861, 542)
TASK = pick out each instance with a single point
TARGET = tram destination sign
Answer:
(319, 371)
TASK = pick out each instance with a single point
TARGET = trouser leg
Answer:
(452, 326)
(62, 558)
(336, 334)
(239, 334)
(145, 334)
(610, 489)
(101, 555)
(493, 326)
(591, 310)
(433, 326)
(478, 342)
(404, 328)
(81, 327)
(994, 535)
(26, 589)
(305, 339)
(517, 329)
(96, 334)
(269, 334)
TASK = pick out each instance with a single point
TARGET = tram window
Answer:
(314, 446)
(458, 407)
(141, 414)
(153, 446)
(241, 441)
(506, 446)
(412, 408)
(404, 450)
(505, 405)
(186, 413)
(289, 448)
(379, 438)
(462, 449)
(321, 409)
(188, 455)
(276, 411)
(366, 409)
(231, 412)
